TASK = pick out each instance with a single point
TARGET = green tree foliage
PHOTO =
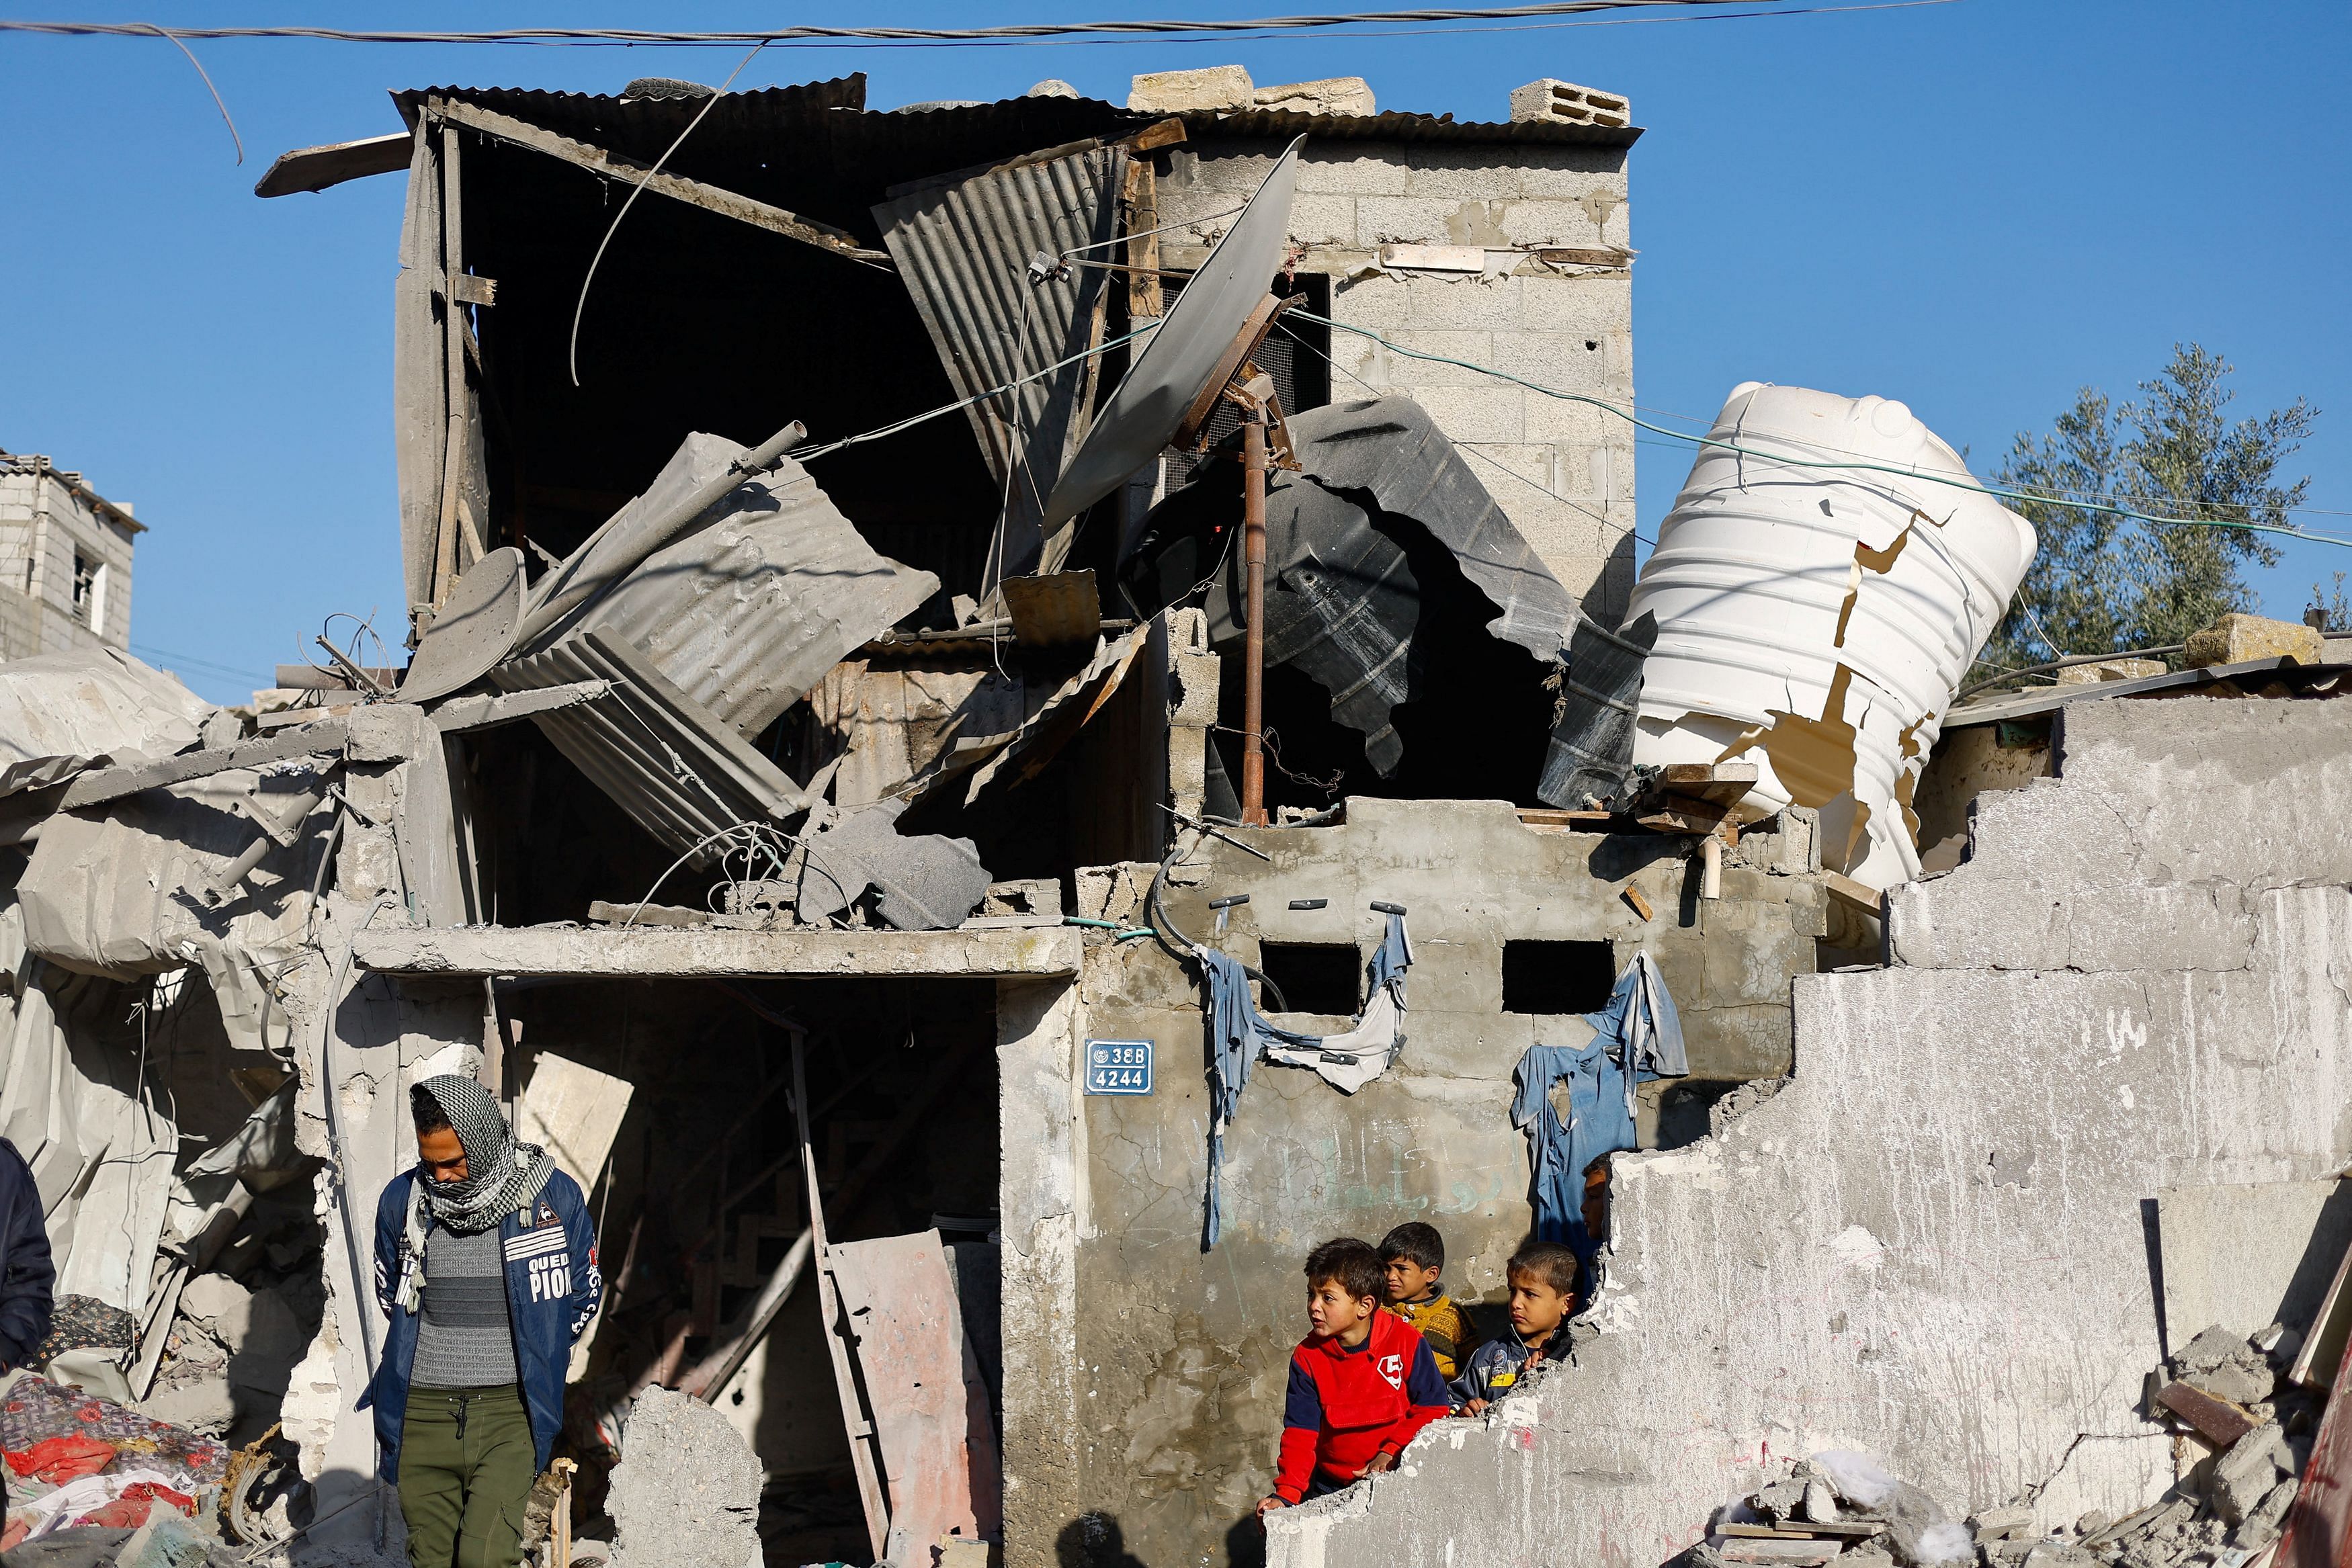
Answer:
(2101, 583)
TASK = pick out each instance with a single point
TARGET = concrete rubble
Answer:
(831, 844)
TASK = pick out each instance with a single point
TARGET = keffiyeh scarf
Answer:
(502, 1175)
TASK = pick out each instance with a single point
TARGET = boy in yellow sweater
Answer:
(1415, 1255)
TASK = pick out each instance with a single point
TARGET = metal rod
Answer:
(1254, 656)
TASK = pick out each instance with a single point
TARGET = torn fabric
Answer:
(1638, 1037)
(1239, 1034)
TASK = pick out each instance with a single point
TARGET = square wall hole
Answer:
(1558, 976)
(1313, 977)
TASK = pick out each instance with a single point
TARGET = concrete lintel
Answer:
(657, 952)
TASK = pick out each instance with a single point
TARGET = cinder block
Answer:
(1565, 103)
(1349, 174)
(1552, 358)
(1331, 95)
(1378, 303)
(1462, 175)
(1579, 424)
(1440, 304)
(1547, 222)
(1196, 689)
(1378, 366)
(1571, 173)
(1473, 413)
(1409, 220)
(2235, 639)
(1237, 172)
(1209, 87)
(1322, 219)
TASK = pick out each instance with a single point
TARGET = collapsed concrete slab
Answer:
(687, 1494)
(1867, 1260)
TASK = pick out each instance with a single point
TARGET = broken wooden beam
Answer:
(678, 187)
(2216, 1420)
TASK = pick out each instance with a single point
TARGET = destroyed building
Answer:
(65, 560)
(1018, 711)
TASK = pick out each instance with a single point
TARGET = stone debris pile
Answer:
(2244, 1429)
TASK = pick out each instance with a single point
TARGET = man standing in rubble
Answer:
(486, 1263)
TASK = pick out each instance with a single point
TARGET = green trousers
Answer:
(465, 1474)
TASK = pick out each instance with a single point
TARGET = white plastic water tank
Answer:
(1818, 621)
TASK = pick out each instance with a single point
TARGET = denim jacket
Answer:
(552, 1291)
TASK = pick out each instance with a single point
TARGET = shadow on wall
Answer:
(1096, 1541)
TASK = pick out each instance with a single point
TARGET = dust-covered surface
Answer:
(1928, 1247)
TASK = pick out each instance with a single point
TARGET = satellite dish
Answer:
(473, 630)
(1176, 365)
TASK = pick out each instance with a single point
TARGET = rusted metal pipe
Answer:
(1253, 658)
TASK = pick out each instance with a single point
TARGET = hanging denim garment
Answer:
(1636, 1038)
(1238, 1033)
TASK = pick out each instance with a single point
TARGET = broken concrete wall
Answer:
(1931, 1246)
(362, 1040)
(1180, 1356)
(1551, 300)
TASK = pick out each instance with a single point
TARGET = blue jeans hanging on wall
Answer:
(1238, 1033)
(1636, 1038)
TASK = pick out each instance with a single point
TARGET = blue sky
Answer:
(1974, 206)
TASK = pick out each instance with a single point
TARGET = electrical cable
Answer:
(828, 448)
(580, 306)
(2068, 662)
(1787, 460)
(1015, 33)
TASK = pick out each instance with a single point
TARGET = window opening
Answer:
(1558, 976)
(1325, 977)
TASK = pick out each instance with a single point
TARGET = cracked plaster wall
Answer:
(1181, 1357)
(1930, 1245)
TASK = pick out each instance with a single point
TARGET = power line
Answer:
(1015, 33)
(1790, 460)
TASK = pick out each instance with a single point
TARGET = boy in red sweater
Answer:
(1361, 1384)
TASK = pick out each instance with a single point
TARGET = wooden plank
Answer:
(1160, 133)
(1837, 1529)
(1846, 890)
(693, 193)
(2322, 1354)
(1545, 816)
(324, 738)
(835, 1329)
(2217, 1421)
(1139, 194)
(938, 1450)
(317, 168)
(1787, 1554)
(1632, 895)
(2318, 1526)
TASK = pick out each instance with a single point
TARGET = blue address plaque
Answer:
(1118, 1067)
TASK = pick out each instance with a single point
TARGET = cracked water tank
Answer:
(1817, 620)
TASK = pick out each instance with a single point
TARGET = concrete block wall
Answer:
(43, 524)
(1173, 1432)
(1562, 472)
(1929, 1246)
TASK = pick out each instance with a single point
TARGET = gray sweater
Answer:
(465, 1340)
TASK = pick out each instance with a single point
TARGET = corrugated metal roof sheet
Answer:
(745, 127)
(748, 613)
(963, 250)
(662, 757)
